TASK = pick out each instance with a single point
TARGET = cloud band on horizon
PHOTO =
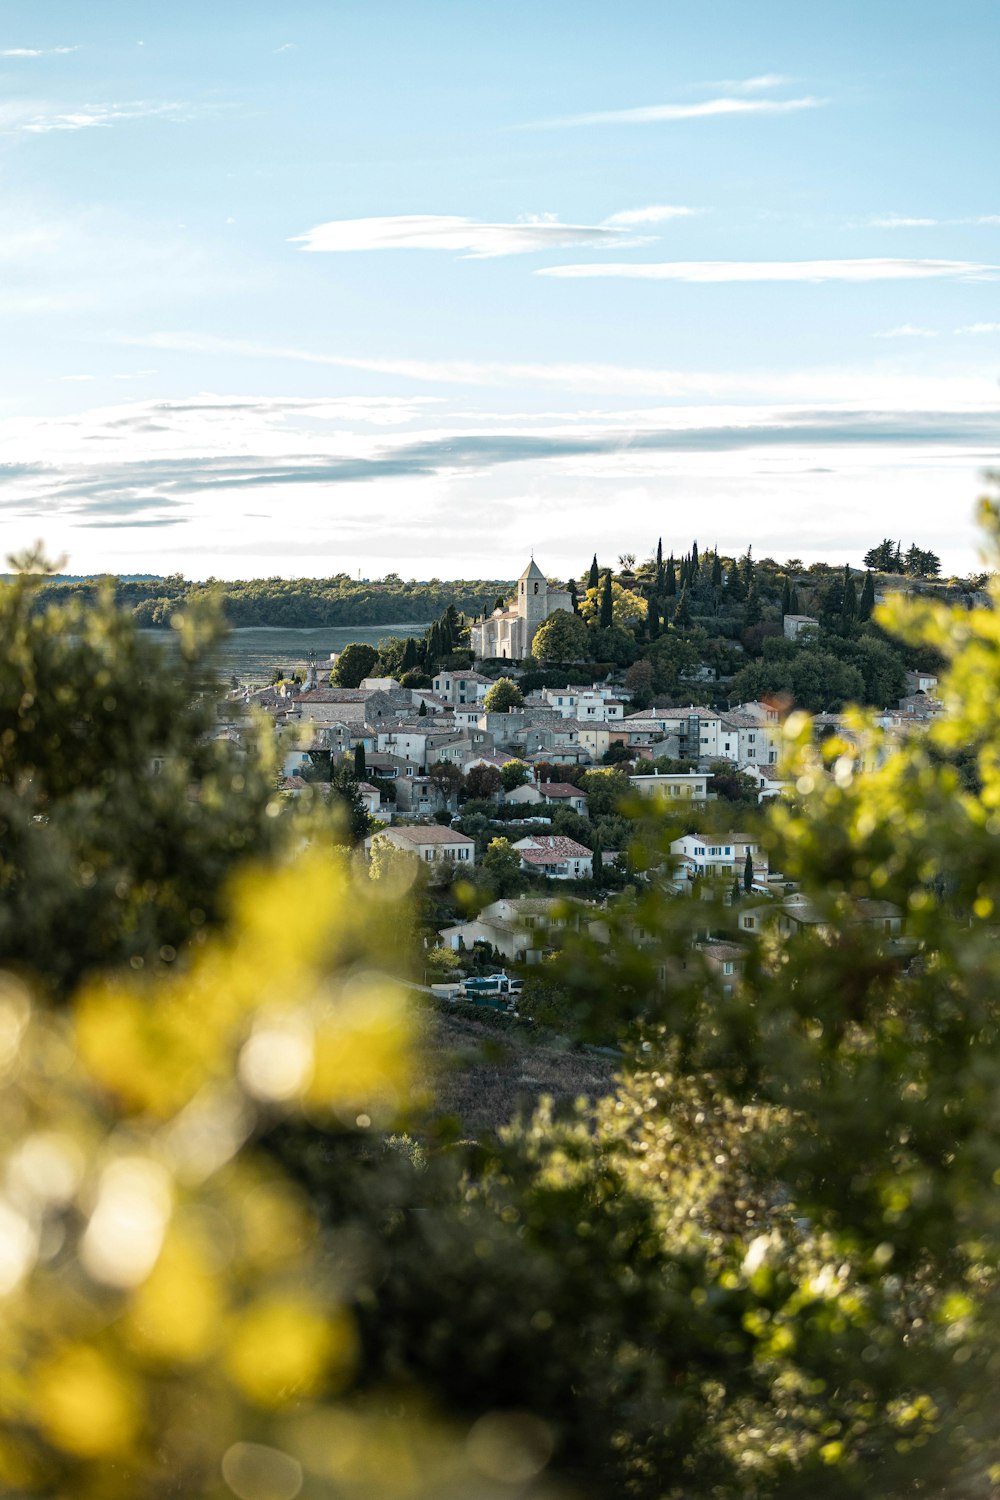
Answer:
(870, 269)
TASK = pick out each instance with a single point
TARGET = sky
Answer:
(377, 286)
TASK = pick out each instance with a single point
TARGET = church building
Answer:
(510, 632)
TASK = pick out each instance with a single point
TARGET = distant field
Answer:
(254, 653)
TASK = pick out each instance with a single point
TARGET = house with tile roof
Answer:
(558, 858)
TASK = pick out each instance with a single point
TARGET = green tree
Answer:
(346, 801)
(482, 782)
(594, 577)
(502, 866)
(360, 767)
(503, 696)
(867, 601)
(605, 790)
(607, 616)
(353, 665)
(682, 614)
(748, 873)
(514, 773)
(562, 637)
(121, 816)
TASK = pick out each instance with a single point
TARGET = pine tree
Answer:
(595, 576)
(867, 602)
(752, 610)
(607, 603)
(670, 588)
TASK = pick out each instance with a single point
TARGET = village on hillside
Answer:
(514, 752)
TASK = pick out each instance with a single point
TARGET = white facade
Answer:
(680, 786)
(509, 632)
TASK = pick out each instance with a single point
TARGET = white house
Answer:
(719, 854)
(674, 786)
(433, 844)
(552, 794)
(461, 687)
(519, 929)
(559, 858)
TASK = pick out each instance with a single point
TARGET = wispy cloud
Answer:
(656, 213)
(979, 328)
(907, 331)
(652, 114)
(476, 240)
(286, 47)
(100, 116)
(873, 269)
(901, 221)
(118, 486)
(37, 51)
(818, 385)
(35, 118)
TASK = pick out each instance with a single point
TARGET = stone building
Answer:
(510, 632)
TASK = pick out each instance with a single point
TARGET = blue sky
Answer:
(419, 287)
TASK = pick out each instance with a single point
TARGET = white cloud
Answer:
(897, 221)
(453, 232)
(907, 331)
(900, 221)
(979, 328)
(286, 47)
(819, 385)
(872, 269)
(99, 116)
(656, 213)
(37, 51)
(651, 114)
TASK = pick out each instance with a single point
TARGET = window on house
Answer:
(748, 922)
(727, 968)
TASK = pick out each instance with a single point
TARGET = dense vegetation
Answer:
(301, 602)
(763, 1267)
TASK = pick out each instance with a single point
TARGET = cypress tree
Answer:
(607, 603)
(409, 654)
(867, 602)
(660, 571)
(595, 576)
(360, 768)
(793, 608)
(573, 597)
(849, 608)
(653, 618)
(684, 574)
(598, 861)
(737, 892)
(716, 569)
(670, 588)
(748, 872)
(682, 614)
(695, 564)
(748, 570)
(786, 598)
(752, 611)
(422, 710)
